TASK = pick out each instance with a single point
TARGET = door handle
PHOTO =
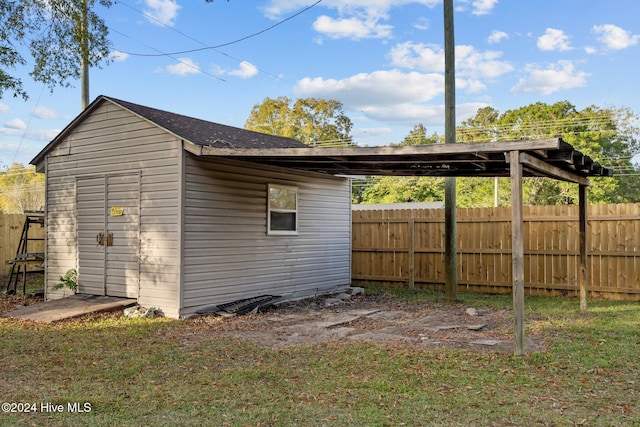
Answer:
(103, 238)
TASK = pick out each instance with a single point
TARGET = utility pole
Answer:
(84, 51)
(450, 232)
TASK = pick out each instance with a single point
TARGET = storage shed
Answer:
(184, 214)
(134, 205)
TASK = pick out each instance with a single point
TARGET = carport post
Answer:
(583, 272)
(517, 251)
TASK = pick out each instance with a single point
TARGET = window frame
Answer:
(271, 209)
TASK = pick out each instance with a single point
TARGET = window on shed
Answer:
(282, 210)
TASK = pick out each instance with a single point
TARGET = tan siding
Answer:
(227, 253)
(222, 232)
(112, 140)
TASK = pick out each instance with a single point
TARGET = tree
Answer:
(480, 128)
(400, 189)
(418, 136)
(608, 135)
(311, 121)
(53, 33)
(470, 192)
(21, 189)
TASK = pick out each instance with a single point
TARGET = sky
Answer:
(382, 59)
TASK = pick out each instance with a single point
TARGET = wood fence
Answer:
(10, 231)
(406, 248)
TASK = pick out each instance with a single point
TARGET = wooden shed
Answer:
(134, 205)
(185, 214)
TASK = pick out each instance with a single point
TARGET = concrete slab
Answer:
(69, 307)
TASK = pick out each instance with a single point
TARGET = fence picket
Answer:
(484, 249)
(10, 231)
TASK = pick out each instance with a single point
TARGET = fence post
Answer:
(411, 225)
(609, 263)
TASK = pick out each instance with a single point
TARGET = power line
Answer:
(176, 59)
(544, 128)
(206, 47)
(25, 170)
(28, 125)
(549, 125)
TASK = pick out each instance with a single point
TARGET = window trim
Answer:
(271, 232)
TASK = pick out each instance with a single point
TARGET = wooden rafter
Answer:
(551, 158)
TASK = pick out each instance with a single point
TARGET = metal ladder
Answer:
(24, 258)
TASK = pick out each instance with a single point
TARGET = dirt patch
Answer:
(373, 318)
(364, 318)
(12, 302)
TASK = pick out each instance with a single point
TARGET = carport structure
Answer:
(551, 158)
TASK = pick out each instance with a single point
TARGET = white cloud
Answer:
(407, 113)
(469, 62)
(378, 88)
(470, 86)
(425, 57)
(554, 39)
(410, 113)
(615, 37)
(487, 64)
(43, 134)
(4, 108)
(118, 56)
(590, 50)
(483, 7)
(561, 75)
(184, 67)
(478, 7)
(389, 96)
(352, 28)
(17, 127)
(497, 36)
(422, 24)
(16, 124)
(44, 113)
(245, 71)
(362, 19)
(356, 19)
(161, 12)
(277, 8)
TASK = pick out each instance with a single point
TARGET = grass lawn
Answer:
(129, 373)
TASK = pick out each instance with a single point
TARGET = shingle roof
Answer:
(202, 132)
(196, 131)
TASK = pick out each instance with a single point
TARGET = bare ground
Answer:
(11, 302)
(374, 318)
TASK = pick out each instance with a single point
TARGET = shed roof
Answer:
(210, 134)
(196, 131)
(546, 158)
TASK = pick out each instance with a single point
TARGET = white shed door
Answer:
(108, 219)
